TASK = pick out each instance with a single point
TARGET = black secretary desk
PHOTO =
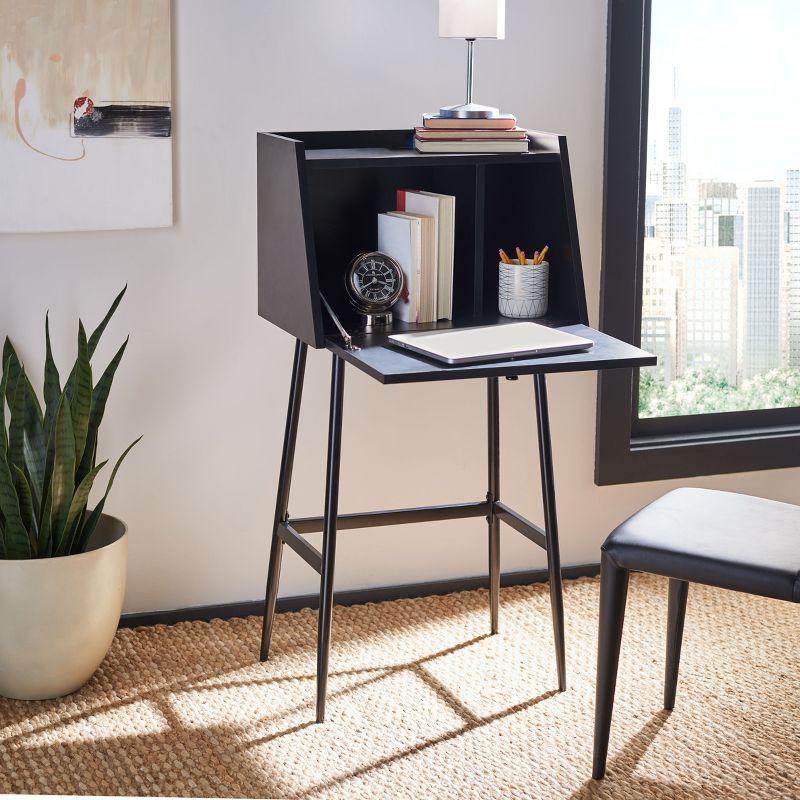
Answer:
(319, 194)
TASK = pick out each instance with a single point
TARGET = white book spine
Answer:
(401, 238)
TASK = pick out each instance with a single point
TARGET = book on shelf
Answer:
(502, 122)
(409, 239)
(472, 146)
(428, 263)
(436, 134)
(442, 208)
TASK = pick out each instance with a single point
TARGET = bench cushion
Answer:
(724, 539)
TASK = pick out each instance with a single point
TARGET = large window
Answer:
(702, 237)
(721, 254)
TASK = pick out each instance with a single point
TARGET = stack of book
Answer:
(420, 236)
(452, 135)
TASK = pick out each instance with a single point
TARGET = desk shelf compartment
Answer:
(319, 194)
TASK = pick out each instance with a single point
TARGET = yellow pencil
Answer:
(543, 253)
(503, 257)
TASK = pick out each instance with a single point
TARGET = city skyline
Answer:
(735, 87)
(721, 276)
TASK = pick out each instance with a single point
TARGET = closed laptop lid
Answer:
(460, 345)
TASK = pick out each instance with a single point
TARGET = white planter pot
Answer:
(58, 616)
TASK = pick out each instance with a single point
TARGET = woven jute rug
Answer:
(424, 704)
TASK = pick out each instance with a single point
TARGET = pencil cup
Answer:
(522, 290)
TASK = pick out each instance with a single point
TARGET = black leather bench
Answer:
(723, 539)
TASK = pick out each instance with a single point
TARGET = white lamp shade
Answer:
(472, 19)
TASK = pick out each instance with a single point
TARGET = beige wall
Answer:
(205, 380)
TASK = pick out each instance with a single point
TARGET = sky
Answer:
(738, 83)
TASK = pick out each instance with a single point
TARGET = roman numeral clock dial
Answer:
(374, 283)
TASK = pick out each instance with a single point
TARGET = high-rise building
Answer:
(672, 210)
(650, 202)
(671, 222)
(675, 134)
(654, 176)
(653, 185)
(659, 307)
(730, 230)
(673, 179)
(707, 328)
(792, 206)
(730, 233)
(692, 210)
(717, 199)
(762, 278)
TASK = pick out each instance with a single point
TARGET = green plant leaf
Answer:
(89, 525)
(78, 505)
(11, 359)
(48, 468)
(52, 381)
(34, 448)
(15, 372)
(15, 536)
(3, 387)
(91, 521)
(23, 491)
(45, 547)
(16, 423)
(26, 442)
(71, 536)
(63, 480)
(94, 339)
(32, 401)
(34, 443)
(99, 399)
(81, 397)
(25, 422)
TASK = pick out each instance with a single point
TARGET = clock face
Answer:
(374, 282)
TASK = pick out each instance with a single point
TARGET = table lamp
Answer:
(471, 20)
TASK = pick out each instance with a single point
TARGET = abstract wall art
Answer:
(85, 115)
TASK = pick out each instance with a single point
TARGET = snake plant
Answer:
(48, 459)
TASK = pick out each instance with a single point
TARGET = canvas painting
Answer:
(85, 115)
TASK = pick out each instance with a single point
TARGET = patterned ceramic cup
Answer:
(522, 291)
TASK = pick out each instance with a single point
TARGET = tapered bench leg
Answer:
(613, 593)
(678, 592)
(493, 425)
(329, 533)
(284, 485)
(551, 526)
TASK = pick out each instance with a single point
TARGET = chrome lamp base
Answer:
(469, 111)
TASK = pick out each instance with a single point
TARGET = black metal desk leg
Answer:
(284, 485)
(493, 426)
(551, 525)
(329, 533)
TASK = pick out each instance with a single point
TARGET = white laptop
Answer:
(490, 342)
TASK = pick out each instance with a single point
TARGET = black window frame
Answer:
(629, 449)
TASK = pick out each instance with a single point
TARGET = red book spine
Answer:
(400, 200)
